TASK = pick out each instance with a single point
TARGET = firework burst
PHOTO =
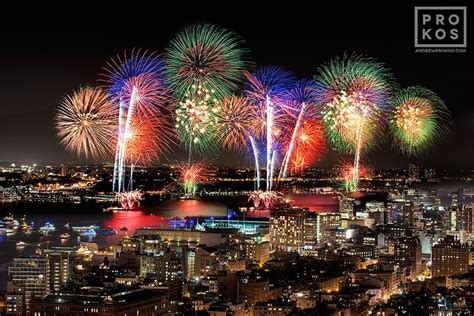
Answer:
(86, 122)
(147, 139)
(129, 200)
(265, 199)
(268, 86)
(137, 85)
(206, 55)
(265, 88)
(419, 120)
(196, 119)
(191, 175)
(301, 101)
(355, 93)
(139, 78)
(309, 146)
(346, 172)
(234, 121)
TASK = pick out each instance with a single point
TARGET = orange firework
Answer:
(234, 116)
(146, 139)
(86, 121)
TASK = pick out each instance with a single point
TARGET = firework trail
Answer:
(86, 121)
(209, 56)
(300, 99)
(419, 120)
(355, 94)
(145, 140)
(256, 159)
(137, 86)
(191, 175)
(265, 89)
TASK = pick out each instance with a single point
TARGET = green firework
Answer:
(206, 55)
(419, 120)
(355, 96)
(196, 120)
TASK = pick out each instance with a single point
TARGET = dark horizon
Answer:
(44, 58)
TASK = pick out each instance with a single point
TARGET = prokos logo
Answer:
(440, 27)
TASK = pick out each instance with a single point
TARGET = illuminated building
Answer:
(205, 258)
(449, 257)
(188, 237)
(59, 269)
(457, 199)
(331, 283)
(295, 229)
(98, 301)
(258, 252)
(28, 277)
(407, 253)
(413, 173)
(287, 230)
(254, 288)
(274, 308)
(245, 226)
(131, 244)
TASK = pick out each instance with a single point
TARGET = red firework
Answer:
(346, 172)
(265, 199)
(149, 94)
(129, 200)
(191, 175)
(309, 146)
(137, 77)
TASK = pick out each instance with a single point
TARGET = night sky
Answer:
(43, 58)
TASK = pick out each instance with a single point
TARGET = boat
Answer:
(24, 225)
(48, 227)
(82, 228)
(64, 236)
(186, 197)
(8, 219)
(109, 231)
(10, 231)
(87, 232)
(112, 209)
(21, 244)
(124, 229)
(10, 222)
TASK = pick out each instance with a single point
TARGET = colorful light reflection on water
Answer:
(315, 202)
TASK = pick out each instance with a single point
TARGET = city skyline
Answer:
(72, 63)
